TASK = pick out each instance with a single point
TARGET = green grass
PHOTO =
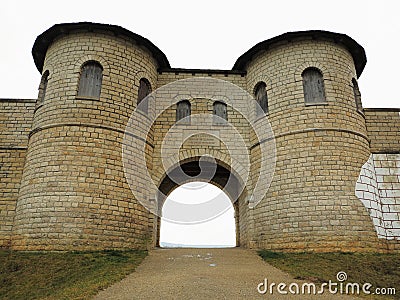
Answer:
(63, 275)
(381, 270)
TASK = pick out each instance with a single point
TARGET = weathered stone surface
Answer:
(63, 183)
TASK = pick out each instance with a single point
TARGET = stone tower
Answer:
(320, 144)
(72, 193)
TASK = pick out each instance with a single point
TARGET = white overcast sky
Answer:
(208, 34)
(219, 231)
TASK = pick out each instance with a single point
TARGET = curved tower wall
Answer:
(311, 204)
(74, 194)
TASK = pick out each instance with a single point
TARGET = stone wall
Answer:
(383, 125)
(15, 122)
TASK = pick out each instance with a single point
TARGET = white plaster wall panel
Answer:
(378, 188)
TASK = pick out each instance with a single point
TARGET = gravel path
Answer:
(202, 274)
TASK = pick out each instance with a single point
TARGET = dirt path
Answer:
(202, 274)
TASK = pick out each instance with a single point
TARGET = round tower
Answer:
(307, 79)
(74, 194)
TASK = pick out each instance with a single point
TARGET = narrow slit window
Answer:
(220, 112)
(183, 111)
(144, 91)
(43, 87)
(261, 98)
(357, 94)
(90, 80)
(313, 85)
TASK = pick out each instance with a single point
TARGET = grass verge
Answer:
(63, 275)
(381, 270)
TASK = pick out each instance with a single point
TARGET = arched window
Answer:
(357, 94)
(313, 86)
(183, 110)
(261, 98)
(220, 112)
(144, 90)
(43, 87)
(90, 80)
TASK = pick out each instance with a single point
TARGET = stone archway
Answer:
(221, 176)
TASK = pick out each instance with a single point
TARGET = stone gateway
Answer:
(88, 164)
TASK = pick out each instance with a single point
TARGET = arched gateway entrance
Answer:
(199, 129)
(207, 170)
(177, 228)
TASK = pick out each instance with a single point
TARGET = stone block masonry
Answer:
(16, 116)
(383, 126)
(64, 184)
